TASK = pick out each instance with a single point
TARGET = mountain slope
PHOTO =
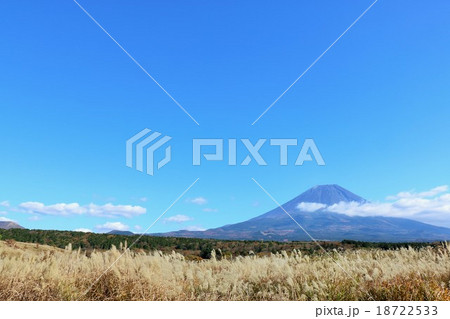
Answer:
(322, 224)
(121, 232)
(9, 225)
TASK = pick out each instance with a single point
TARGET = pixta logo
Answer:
(308, 148)
(141, 151)
(144, 145)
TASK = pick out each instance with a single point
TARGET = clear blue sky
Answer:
(377, 104)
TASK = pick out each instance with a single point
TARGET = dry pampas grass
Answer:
(31, 272)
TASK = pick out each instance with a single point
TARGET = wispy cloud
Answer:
(198, 201)
(194, 228)
(64, 209)
(5, 203)
(310, 207)
(210, 210)
(112, 226)
(256, 204)
(4, 219)
(178, 219)
(430, 193)
(110, 210)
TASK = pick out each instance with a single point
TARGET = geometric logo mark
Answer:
(144, 145)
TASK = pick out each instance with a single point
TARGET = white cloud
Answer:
(210, 210)
(178, 219)
(110, 210)
(83, 230)
(432, 207)
(198, 201)
(63, 209)
(5, 203)
(430, 193)
(3, 213)
(194, 228)
(112, 226)
(143, 199)
(138, 227)
(310, 207)
(4, 219)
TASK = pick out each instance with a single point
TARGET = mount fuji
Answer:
(322, 224)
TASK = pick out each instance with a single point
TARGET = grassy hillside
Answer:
(39, 272)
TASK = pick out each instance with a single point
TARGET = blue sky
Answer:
(376, 104)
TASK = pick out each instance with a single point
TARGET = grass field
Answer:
(39, 272)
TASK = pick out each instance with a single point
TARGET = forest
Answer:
(191, 248)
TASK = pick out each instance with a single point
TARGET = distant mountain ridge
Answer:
(121, 232)
(9, 225)
(322, 224)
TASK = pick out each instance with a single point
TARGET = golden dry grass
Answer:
(29, 272)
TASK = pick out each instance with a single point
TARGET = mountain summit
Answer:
(320, 194)
(322, 224)
(328, 195)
